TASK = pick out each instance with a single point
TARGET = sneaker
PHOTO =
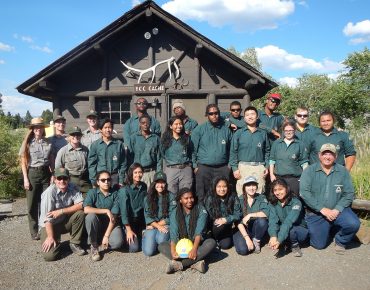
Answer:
(95, 255)
(200, 266)
(35, 236)
(280, 253)
(339, 249)
(173, 266)
(76, 249)
(257, 246)
(296, 250)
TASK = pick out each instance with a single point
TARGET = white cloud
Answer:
(24, 38)
(289, 81)
(2, 61)
(135, 3)
(20, 104)
(360, 29)
(243, 15)
(277, 58)
(41, 48)
(6, 47)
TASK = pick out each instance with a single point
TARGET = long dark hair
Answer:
(167, 135)
(153, 197)
(130, 173)
(97, 176)
(245, 198)
(215, 201)
(272, 198)
(180, 216)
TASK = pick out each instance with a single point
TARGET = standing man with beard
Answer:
(211, 142)
(92, 133)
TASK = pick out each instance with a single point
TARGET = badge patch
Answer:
(223, 142)
(204, 211)
(337, 147)
(114, 158)
(259, 145)
(296, 207)
(338, 188)
(294, 156)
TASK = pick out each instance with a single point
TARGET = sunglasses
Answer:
(235, 110)
(212, 113)
(141, 104)
(62, 178)
(275, 101)
(301, 116)
(104, 180)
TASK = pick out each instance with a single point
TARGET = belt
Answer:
(252, 163)
(179, 166)
(288, 176)
(39, 167)
(215, 166)
(148, 169)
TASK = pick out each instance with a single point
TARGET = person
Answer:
(179, 110)
(211, 150)
(59, 139)
(107, 153)
(288, 157)
(234, 118)
(92, 133)
(131, 126)
(269, 119)
(187, 221)
(249, 152)
(158, 205)
(304, 131)
(345, 151)
(73, 157)
(327, 190)
(177, 150)
(101, 207)
(61, 212)
(131, 201)
(254, 224)
(224, 212)
(35, 164)
(144, 148)
(286, 220)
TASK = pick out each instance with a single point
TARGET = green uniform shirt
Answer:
(189, 125)
(177, 153)
(259, 203)
(110, 157)
(282, 219)
(211, 144)
(333, 191)
(199, 229)
(146, 151)
(131, 201)
(269, 123)
(229, 119)
(171, 203)
(73, 159)
(232, 217)
(249, 147)
(341, 141)
(307, 135)
(132, 126)
(95, 198)
(288, 159)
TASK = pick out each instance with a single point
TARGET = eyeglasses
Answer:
(235, 110)
(301, 116)
(212, 113)
(141, 104)
(275, 101)
(62, 178)
(104, 180)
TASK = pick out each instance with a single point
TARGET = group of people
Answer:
(236, 179)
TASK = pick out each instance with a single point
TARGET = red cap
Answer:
(275, 96)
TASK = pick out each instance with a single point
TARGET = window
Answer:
(117, 110)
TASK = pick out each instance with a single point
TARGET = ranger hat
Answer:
(92, 113)
(59, 172)
(160, 176)
(37, 122)
(75, 131)
(250, 179)
(328, 147)
(58, 117)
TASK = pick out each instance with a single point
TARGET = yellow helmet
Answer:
(183, 247)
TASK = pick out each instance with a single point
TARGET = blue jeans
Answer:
(151, 240)
(346, 225)
(256, 229)
(297, 235)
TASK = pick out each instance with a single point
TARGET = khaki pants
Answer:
(251, 170)
(148, 177)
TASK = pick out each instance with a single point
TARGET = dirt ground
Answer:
(22, 267)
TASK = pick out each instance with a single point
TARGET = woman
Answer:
(131, 200)
(286, 220)
(224, 210)
(288, 157)
(177, 152)
(102, 208)
(35, 164)
(157, 207)
(187, 221)
(253, 226)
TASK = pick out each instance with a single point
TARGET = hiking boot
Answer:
(200, 266)
(296, 250)
(257, 246)
(339, 249)
(76, 249)
(35, 236)
(173, 266)
(280, 253)
(95, 255)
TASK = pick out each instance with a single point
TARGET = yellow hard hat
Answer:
(183, 247)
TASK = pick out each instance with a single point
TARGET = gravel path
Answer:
(22, 267)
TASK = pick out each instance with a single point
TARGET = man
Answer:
(132, 125)
(59, 139)
(145, 148)
(234, 118)
(73, 157)
(304, 131)
(327, 190)
(211, 150)
(270, 120)
(92, 133)
(179, 110)
(107, 154)
(249, 152)
(61, 212)
(346, 153)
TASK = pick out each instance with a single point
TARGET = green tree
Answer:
(27, 118)
(249, 56)
(47, 115)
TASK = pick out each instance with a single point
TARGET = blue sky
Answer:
(291, 37)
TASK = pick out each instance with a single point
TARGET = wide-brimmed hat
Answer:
(37, 122)
(92, 113)
(58, 117)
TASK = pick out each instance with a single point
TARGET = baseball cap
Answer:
(328, 147)
(75, 130)
(160, 176)
(58, 172)
(250, 179)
